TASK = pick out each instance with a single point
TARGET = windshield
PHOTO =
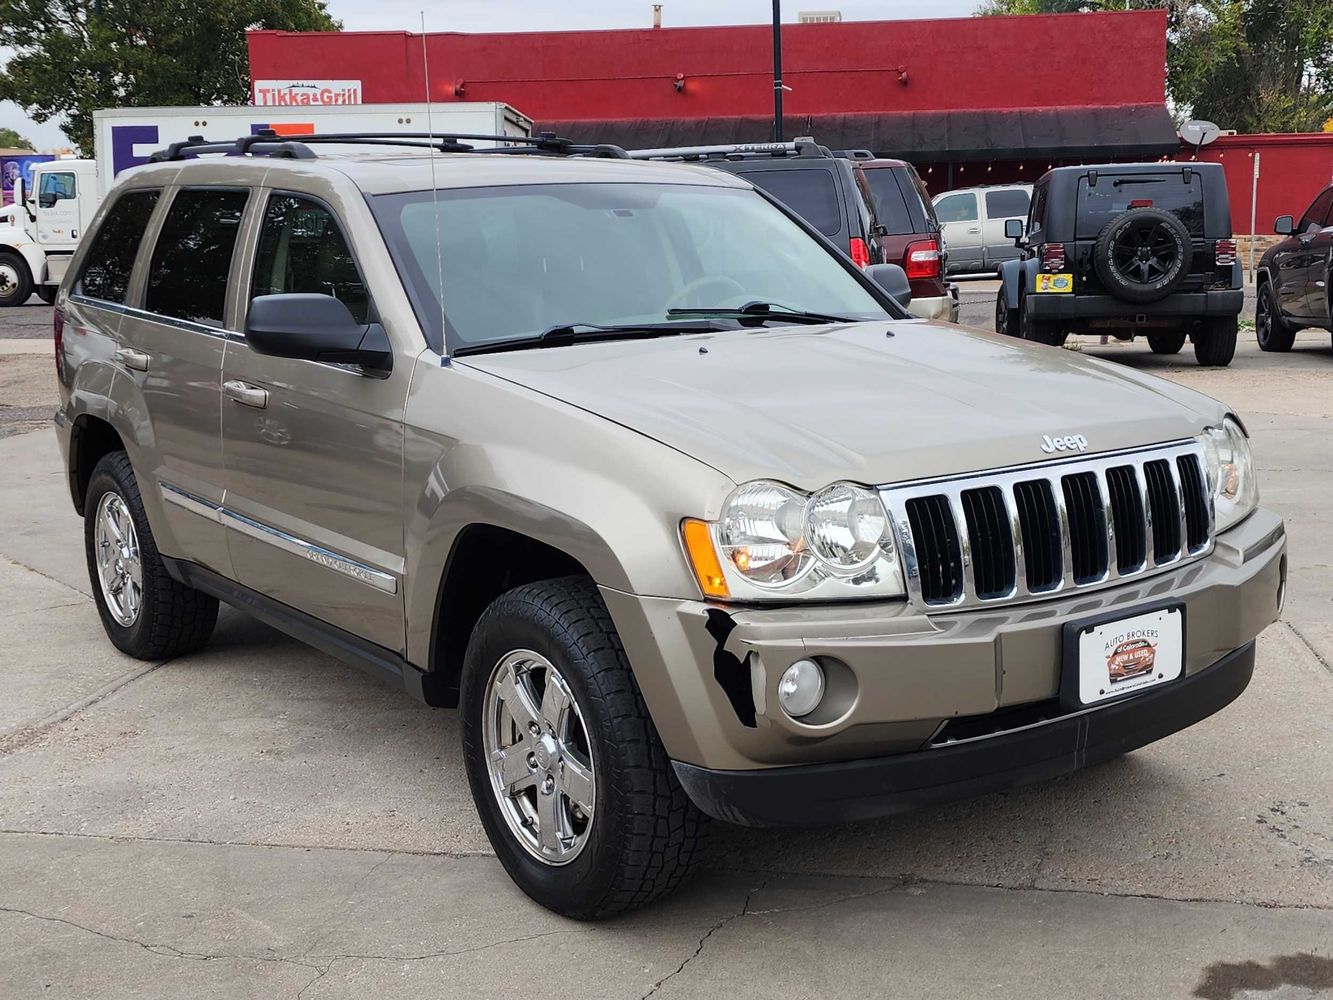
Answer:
(517, 261)
(1115, 194)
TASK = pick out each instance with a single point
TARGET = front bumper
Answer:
(1181, 305)
(862, 789)
(709, 672)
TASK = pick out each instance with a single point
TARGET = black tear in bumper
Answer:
(810, 794)
(1182, 305)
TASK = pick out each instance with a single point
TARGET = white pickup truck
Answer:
(38, 238)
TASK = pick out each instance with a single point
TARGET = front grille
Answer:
(1025, 533)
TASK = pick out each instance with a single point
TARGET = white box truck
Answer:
(58, 205)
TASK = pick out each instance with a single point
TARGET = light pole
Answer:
(777, 71)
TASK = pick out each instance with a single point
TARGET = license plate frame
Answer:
(1051, 284)
(1081, 675)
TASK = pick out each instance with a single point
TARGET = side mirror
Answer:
(315, 327)
(892, 279)
(1013, 229)
(1285, 225)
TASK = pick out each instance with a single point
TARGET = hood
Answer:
(873, 403)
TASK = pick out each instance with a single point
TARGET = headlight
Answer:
(1230, 473)
(773, 542)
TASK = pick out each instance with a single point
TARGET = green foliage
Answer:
(1251, 65)
(72, 57)
(9, 139)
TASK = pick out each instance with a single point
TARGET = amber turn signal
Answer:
(703, 558)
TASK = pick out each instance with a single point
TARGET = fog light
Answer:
(801, 688)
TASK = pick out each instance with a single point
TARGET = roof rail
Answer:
(803, 146)
(854, 154)
(269, 143)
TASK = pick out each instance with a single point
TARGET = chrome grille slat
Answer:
(1029, 532)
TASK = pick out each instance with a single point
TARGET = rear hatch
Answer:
(909, 231)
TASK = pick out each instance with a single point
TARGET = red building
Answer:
(969, 100)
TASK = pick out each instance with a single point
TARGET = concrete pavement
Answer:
(258, 820)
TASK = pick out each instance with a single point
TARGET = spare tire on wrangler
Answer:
(1143, 255)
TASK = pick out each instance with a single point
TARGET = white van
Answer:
(972, 221)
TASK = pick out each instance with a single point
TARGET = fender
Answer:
(1017, 276)
(16, 241)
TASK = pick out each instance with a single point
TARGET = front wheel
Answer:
(15, 279)
(568, 774)
(47, 293)
(1271, 329)
(1215, 343)
(1167, 343)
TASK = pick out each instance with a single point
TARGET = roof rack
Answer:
(803, 146)
(854, 154)
(297, 147)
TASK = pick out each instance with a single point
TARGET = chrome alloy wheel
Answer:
(538, 757)
(119, 563)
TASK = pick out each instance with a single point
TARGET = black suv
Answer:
(1295, 277)
(1127, 249)
(876, 211)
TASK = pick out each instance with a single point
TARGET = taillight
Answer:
(1053, 257)
(58, 335)
(1224, 252)
(922, 260)
(860, 252)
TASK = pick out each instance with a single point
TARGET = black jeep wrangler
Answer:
(1126, 249)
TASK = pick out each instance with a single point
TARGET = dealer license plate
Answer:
(1130, 654)
(1055, 282)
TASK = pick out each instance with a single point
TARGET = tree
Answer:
(72, 57)
(9, 139)
(1251, 65)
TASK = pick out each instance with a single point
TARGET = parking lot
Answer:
(258, 820)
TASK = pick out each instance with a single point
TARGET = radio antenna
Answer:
(434, 190)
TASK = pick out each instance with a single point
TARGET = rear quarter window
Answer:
(889, 202)
(106, 273)
(811, 194)
(1114, 195)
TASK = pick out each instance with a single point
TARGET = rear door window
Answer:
(1007, 203)
(810, 193)
(1117, 194)
(301, 249)
(889, 203)
(106, 275)
(957, 208)
(192, 259)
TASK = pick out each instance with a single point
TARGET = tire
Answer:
(1215, 343)
(1039, 331)
(1271, 329)
(1167, 343)
(1169, 251)
(170, 618)
(48, 293)
(643, 831)
(1006, 319)
(15, 279)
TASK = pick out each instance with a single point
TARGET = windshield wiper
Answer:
(759, 311)
(582, 333)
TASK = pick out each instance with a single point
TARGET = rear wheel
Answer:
(1039, 331)
(145, 612)
(1167, 343)
(1215, 342)
(1006, 319)
(47, 293)
(15, 279)
(1271, 329)
(567, 771)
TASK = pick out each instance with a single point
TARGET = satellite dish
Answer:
(1199, 133)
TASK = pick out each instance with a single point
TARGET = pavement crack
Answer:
(1308, 645)
(852, 897)
(46, 576)
(698, 950)
(163, 950)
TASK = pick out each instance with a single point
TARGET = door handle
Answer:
(131, 358)
(974, 230)
(247, 395)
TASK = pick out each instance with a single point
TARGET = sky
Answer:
(548, 15)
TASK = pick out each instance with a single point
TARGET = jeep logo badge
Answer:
(1070, 442)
